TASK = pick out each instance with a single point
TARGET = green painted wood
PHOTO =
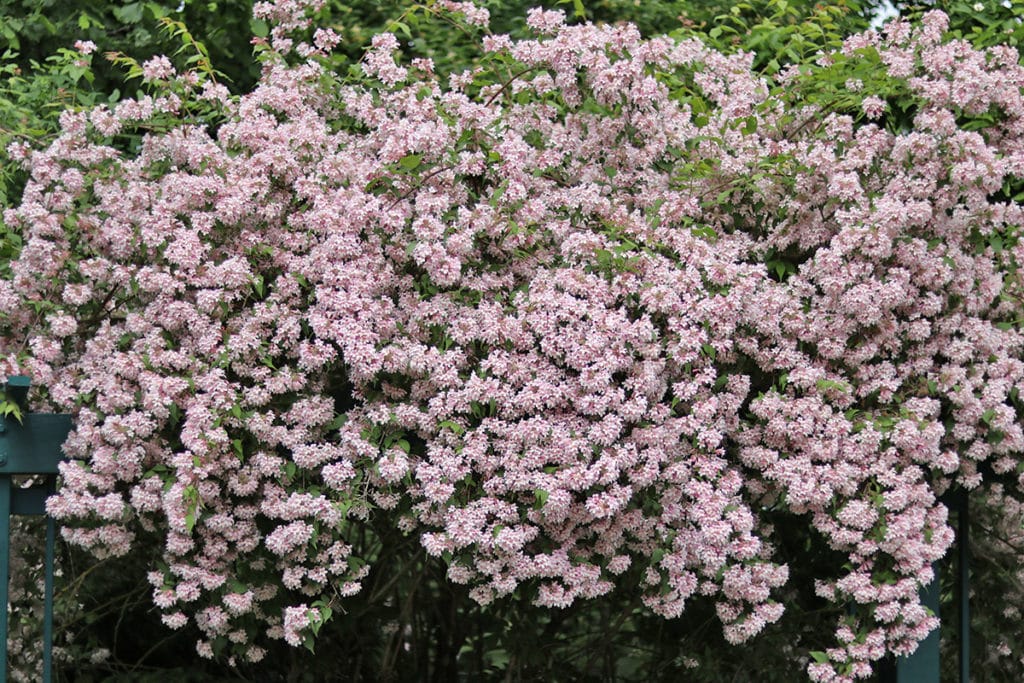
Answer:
(923, 665)
(30, 501)
(33, 446)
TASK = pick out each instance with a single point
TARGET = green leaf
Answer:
(831, 384)
(130, 13)
(819, 657)
(410, 161)
(497, 659)
(190, 496)
(453, 426)
(400, 28)
(497, 193)
(259, 28)
(157, 10)
(779, 267)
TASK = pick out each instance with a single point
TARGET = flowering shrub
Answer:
(590, 317)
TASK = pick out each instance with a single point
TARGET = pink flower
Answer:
(545, 21)
(296, 620)
(158, 68)
(873, 106)
(175, 620)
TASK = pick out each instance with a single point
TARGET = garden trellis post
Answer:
(29, 447)
(923, 666)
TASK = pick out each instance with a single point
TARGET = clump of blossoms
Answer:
(582, 319)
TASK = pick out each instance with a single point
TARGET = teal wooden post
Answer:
(31, 447)
(923, 665)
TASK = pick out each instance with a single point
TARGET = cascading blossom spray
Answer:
(583, 320)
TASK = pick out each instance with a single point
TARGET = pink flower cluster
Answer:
(573, 328)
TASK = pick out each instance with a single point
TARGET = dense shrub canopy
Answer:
(596, 315)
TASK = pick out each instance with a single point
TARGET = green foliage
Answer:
(30, 101)
(779, 32)
(10, 408)
(984, 24)
(34, 91)
(34, 30)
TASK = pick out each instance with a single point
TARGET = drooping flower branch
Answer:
(582, 319)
